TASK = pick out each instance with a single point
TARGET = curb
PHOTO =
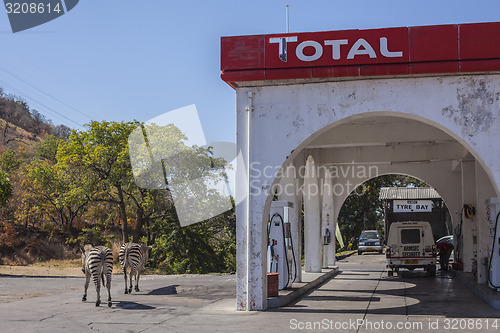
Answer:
(283, 300)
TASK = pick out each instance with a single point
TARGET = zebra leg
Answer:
(132, 273)
(137, 280)
(87, 280)
(125, 275)
(108, 285)
(98, 289)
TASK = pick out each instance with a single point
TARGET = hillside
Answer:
(61, 189)
(16, 112)
(22, 132)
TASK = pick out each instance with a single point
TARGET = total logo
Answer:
(337, 48)
(26, 14)
(360, 47)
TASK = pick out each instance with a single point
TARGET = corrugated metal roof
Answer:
(403, 193)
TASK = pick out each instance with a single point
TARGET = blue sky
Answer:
(124, 60)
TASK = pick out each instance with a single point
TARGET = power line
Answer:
(43, 72)
(46, 93)
(22, 94)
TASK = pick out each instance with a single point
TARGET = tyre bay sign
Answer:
(462, 48)
(411, 206)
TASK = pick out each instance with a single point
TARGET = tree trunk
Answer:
(148, 233)
(123, 214)
(139, 222)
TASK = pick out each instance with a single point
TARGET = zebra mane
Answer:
(87, 248)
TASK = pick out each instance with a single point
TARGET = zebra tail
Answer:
(125, 263)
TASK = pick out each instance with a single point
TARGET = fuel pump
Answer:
(326, 235)
(280, 255)
(493, 274)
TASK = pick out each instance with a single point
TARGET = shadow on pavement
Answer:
(413, 293)
(134, 306)
(168, 290)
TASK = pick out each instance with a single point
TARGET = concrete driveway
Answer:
(360, 299)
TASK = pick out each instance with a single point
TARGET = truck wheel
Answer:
(359, 252)
(390, 273)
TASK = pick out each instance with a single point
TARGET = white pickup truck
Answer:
(411, 245)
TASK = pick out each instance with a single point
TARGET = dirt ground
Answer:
(53, 268)
(40, 271)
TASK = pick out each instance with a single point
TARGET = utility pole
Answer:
(287, 19)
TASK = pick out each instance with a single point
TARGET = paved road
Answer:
(361, 294)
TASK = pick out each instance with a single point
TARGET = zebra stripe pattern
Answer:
(135, 256)
(97, 261)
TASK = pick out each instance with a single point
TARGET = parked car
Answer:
(411, 245)
(447, 239)
(369, 240)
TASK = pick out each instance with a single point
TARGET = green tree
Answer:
(188, 171)
(5, 189)
(9, 162)
(59, 195)
(47, 148)
(92, 170)
(201, 248)
(101, 153)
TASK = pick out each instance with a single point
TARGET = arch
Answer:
(452, 196)
(341, 203)
(278, 123)
(374, 114)
(403, 115)
(445, 198)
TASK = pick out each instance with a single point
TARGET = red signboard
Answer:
(362, 53)
(336, 48)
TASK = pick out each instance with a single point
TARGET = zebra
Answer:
(135, 256)
(97, 261)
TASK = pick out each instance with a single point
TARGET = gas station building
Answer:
(320, 113)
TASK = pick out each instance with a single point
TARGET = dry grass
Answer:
(41, 270)
(71, 267)
(69, 263)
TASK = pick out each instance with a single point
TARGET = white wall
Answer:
(287, 118)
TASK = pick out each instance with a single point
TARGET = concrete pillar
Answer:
(494, 274)
(300, 160)
(287, 191)
(328, 221)
(484, 220)
(312, 217)
(252, 190)
(469, 228)
(242, 216)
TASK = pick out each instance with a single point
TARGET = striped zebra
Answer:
(97, 261)
(135, 256)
